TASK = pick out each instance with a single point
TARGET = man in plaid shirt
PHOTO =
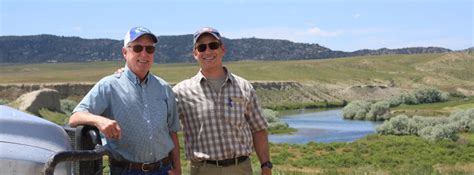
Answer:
(222, 120)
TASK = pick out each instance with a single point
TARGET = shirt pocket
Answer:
(234, 110)
(159, 111)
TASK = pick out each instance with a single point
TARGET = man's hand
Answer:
(120, 70)
(110, 128)
(266, 171)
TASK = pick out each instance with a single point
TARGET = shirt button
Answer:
(151, 153)
(148, 121)
(146, 105)
(151, 137)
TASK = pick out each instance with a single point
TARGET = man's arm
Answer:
(260, 142)
(175, 155)
(110, 128)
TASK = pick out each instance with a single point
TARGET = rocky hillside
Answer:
(171, 49)
(271, 93)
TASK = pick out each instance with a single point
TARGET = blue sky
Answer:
(345, 25)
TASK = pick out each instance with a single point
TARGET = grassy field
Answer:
(447, 70)
(323, 83)
(372, 155)
(378, 155)
(435, 109)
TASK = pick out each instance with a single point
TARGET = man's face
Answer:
(139, 62)
(209, 59)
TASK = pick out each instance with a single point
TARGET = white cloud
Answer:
(320, 33)
(293, 34)
(357, 15)
(77, 29)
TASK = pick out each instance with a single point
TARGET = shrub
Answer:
(67, 106)
(55, 117)
(464, 120)
(430, 128)
(408, 98)
(379, 111)
(278, 125)
(274, 122)
(440, 132)
(394, 101)
(356, 110)
(3, 102)
(395, 126)
(430, 95)
(417, 123)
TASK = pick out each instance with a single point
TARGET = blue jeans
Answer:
(125, 171)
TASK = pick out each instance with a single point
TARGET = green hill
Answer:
(304, 81)
(171, 49)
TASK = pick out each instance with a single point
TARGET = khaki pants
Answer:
(201, 168)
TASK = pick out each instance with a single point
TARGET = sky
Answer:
(345, 25)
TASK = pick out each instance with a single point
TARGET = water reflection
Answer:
(324, 126)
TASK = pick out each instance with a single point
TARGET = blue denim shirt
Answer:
(145, 112)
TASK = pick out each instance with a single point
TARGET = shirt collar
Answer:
(229, 77)
(133, 78)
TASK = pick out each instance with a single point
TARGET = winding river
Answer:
(323, 126)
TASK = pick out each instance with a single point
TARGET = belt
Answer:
(227, 162)
(145, 167)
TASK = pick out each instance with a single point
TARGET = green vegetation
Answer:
(375, 154)
(378, 154)
(276, 126)
(399, 69)
(4, 102)
(59, 117)
(435, 109)
(323, 79)
(430, 128)
(376, 111)
(56, 117)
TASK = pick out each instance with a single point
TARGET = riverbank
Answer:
(275, 95)
(322, 126)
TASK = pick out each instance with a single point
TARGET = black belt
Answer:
(145, 167)
(227, 162)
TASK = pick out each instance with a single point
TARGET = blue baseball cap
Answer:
(137, 32)
(204, 30)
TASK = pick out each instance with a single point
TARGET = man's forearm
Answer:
(83, 118)
(175, 152)
(260, 142)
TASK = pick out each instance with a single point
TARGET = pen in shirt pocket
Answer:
(229, 103)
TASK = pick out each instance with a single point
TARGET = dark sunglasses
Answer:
(211, 45)
(139, 48)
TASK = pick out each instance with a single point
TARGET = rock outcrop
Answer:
(43, 98)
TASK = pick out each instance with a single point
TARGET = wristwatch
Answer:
(267, 164)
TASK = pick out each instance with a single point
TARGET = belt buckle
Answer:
(143, 167)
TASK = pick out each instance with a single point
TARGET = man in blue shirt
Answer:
(136, 111)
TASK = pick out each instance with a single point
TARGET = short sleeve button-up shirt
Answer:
(146, 113)
(218, 125)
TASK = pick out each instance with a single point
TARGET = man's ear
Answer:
(223, 48)
(195, 52)
(124, 52)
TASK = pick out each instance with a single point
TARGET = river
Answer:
(323, 126)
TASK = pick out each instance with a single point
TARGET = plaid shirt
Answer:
(218, 125)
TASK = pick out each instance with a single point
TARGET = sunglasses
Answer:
(139, 48)
(211, 45)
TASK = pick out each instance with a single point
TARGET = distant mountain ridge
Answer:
(172, 49)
